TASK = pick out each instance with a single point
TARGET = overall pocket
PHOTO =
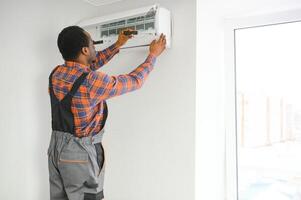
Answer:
(74, 157)
(74, 165)
(100, 156)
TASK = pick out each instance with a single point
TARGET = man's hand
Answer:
(158, 46)
(122, 38)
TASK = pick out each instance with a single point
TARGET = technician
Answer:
(78, 94)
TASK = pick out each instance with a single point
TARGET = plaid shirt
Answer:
(88, 102)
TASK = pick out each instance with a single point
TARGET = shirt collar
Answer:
(77, 65)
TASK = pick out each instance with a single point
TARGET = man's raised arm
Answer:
(104, 56)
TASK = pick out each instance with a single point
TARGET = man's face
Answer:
(92, 52)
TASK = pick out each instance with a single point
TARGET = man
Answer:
(78, 95)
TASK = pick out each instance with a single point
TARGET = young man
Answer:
(78, 95)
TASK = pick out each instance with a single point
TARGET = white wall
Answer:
(209, 96)
(150, 133)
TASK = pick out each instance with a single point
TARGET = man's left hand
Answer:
(122, 38)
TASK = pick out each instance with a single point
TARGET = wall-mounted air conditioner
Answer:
(149, 22)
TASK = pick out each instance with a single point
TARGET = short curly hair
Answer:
(70, 42)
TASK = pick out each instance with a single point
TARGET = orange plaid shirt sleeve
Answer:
(104, 56)
(102, 86)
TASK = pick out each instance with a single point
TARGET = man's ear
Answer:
(85, 51)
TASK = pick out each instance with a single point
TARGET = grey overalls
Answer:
(76, 165)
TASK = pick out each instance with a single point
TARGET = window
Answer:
(264, 131)
(268, 69)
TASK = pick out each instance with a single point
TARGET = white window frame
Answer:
(231, 192)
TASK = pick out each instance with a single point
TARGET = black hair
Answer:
(70, 42)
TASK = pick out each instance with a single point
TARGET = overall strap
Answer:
(74, 88)
(76, 85)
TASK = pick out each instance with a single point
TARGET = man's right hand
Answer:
(122, 38)
(158, 46)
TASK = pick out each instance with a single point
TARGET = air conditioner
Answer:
(149, 22)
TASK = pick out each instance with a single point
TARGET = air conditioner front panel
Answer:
(164, 25)
(93, 31)
(149, 22)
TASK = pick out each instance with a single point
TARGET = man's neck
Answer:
(83, 62)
